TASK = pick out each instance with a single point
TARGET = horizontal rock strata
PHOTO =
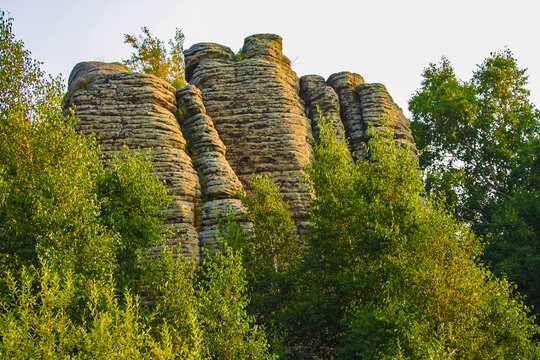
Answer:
(243, 114)
(351, 113)
(254, 102)
(356, 108)
(378, 108)
(221, 187)
(137, 110)
(320, 101)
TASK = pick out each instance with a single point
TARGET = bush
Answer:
(389, 274)
(35, 323)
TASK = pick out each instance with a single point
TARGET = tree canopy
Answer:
(151, 57)
(478, 143)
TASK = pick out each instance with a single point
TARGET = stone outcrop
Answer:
(220, 185)
(351, 113)
(257, 111)
(320, 100)
(138, 110)
(355, 107)
(378, 109)
(242, 114)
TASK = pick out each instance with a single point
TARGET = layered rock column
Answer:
(220, 185)
(243, 114)
(137, 110)
(378, 109)
(253, 100)
(351, 113)
(356, 108)
(320, 100)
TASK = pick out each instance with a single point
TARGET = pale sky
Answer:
(388, 42)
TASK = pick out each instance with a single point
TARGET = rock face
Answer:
(138, 110)
(351, 113)
(221, 187)
(243, 114)
(320, 100)
(257, 111)
(354, 107)
(378, 108)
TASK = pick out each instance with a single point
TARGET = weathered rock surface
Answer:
(257, 112)
(356, 108)
(85, 72)
(220, 184)
(378, 108)
(320, 100)
(351, 113)
(137, 110)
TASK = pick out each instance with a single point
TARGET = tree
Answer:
(48, 175)
(230, 333)
(388, 274)
(35, 321)
(270, 255)
(151, 56)
(131, 200)
(477, 146)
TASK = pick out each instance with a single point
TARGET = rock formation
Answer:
(257, 111)
(242, 114)
(138, 110)
(220, 185)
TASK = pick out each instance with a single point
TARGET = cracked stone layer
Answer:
(378, 108)
(320, 100)
(351, 113)
(258, 113)
(124, 108)
(221, 187)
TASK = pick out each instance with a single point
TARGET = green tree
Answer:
(230, 333)
(48, 174)
(270, 255)
(387, 274)
(204, 309)
(151, 57)
(57, 202)
(470, 134)
(477, 142)
(35, 321)
(131, 203)
(169, 280)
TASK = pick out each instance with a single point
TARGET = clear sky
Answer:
(385, 41)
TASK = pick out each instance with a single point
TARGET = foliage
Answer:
(35, 323)
(270, 254)
(205, 310)
(474, 131)
(514, 246)
(151, 57)
(240, 55)
(169, 279)
(131, 201)
(478, 142)
(48, 174)
(228, 330)
(388, 274)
